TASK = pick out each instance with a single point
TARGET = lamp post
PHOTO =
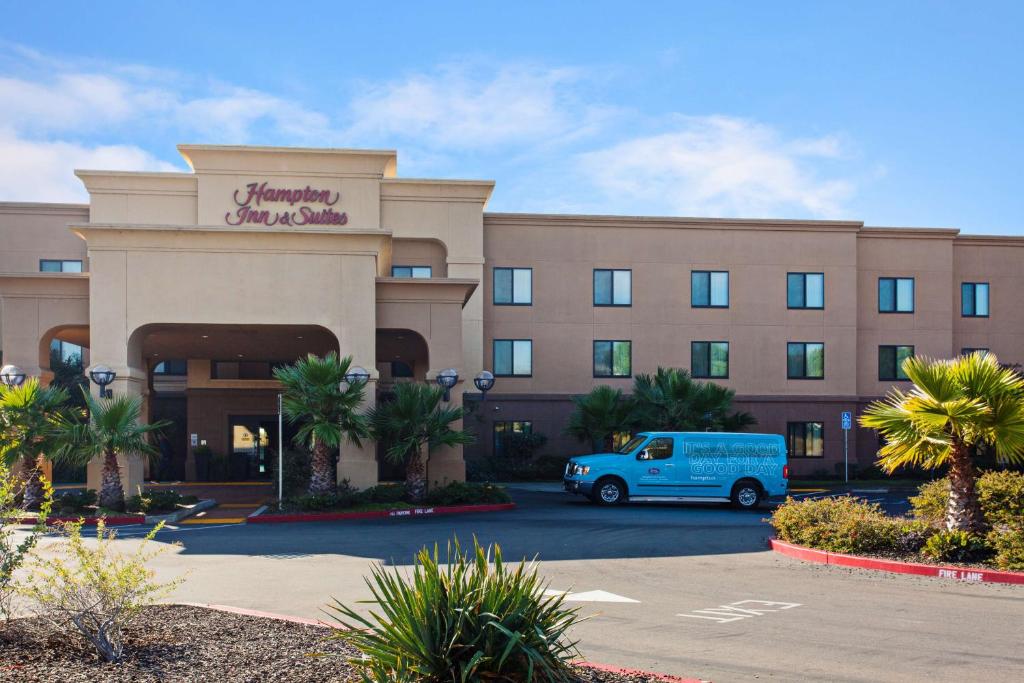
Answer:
(12, 376)
(103, 377)
(448, 378)
(484, 382)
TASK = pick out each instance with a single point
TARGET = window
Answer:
(805, 439)
(513, 357)
(613, 358)
(251, 369)
(411, 271)
(171, 367)
(805, 290)
(503, 434)
(974, 299)
(67, 352)
(709, 289)
(890, 362)
(709, 359)
(660, 448)
(613, 287)
(513, 286)
(969, 350)
(57, 266)
(805, 360)
(895, 295)
(400, 369)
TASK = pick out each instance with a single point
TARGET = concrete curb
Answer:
(184, 513)
(258, 518)
(893, 566)
(665, 678)
(121, 520)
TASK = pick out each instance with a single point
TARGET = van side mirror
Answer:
(644, 455)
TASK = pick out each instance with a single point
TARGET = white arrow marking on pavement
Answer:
(597, 596)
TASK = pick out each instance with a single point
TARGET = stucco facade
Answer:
(260, 255)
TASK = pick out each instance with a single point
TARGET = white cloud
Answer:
(719, 166)
(34, 171)
(458, 107)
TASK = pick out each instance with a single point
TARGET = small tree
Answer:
(671, 401)
(95, 589)
(112, 427)
(325, 411)
(415, 419)
(28, 416)
(599, 415)
(956, 409)
(13, 553)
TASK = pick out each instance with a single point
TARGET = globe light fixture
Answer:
(12, 375)
(356, 376)
(103, 377)
(448, 378)
(484, 382)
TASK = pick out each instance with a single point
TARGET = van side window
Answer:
(660, 448)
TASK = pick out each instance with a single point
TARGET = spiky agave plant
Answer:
(473, 618)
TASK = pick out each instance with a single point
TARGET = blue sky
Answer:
(894, 113)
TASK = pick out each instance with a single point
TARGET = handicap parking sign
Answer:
(847, 419)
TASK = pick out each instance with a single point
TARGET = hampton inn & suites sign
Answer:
(261, 204)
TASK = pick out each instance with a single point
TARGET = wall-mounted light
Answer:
(356, 376)
(12, 375)
(448, 378)
(484, 382)
(103, 376)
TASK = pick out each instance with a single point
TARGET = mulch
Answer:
(186, 643)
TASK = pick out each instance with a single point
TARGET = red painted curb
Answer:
(894, 566)
(376, 514)
(89, 521)
(665, 678)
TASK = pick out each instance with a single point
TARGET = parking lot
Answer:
(689, 590)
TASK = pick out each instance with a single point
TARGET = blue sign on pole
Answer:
(847, 419)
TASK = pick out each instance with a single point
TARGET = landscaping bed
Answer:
(186, 643)
(389, 497)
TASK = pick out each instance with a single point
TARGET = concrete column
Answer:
(358, 464)
(445, 464)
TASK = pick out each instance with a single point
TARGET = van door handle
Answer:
(669, 465)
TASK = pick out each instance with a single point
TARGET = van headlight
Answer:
(576, 468)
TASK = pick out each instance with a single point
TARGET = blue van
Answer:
(743, 469)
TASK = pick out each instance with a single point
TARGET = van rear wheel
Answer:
(609, 492)
(746, 494)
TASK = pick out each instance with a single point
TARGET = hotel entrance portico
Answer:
(194, 286)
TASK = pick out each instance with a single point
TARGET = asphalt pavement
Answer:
(685, 589)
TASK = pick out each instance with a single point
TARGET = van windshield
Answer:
(631, 445)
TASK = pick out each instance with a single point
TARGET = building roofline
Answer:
(183, 148)
(991, 240)
(608, 220)
(41, 207)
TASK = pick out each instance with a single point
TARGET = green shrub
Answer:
(74, 503)
(523, 445)
(384, 493)
(541, 468)
(1001, 495)
(467, 493)
(956, 546)
(14, 550)
(158, 501)
(1008, 545)
(464, 620)
(94, 589)
(841, 525)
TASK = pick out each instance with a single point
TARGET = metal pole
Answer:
(846, 454)
(280, 450)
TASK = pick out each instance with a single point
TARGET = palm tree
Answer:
(27, 426)
(671, 401)
(598, 416)
(415, 418)
(325, 411)
(112, 427)
(956, 409)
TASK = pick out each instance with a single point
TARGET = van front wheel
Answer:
(609, 492)
(746, 495)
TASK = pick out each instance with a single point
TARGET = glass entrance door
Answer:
(253, 442)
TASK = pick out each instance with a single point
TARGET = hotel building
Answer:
(192, 286)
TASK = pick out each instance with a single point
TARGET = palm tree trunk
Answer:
(111, 492)
(33, 485)
(416, 478)
(963, 511)
(321, 474)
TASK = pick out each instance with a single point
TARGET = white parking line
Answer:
(742, 609)
(592, 596)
